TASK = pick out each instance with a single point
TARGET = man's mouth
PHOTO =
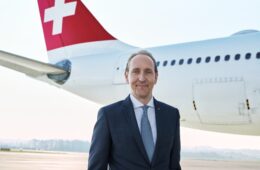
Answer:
(141, 86)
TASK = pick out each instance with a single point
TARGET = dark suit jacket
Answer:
(117, 141)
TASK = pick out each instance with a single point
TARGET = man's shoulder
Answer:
(165, 105)
(167, 108)
(114, 110)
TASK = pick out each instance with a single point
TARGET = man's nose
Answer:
(141, 77)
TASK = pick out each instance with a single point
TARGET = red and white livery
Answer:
(214, 83)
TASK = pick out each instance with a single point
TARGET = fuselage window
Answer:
(258, 55)
(217, 58)
(248, 56)
(207, 60)
(227, 57)
(189, 61)
(173, 62)
(198, 60)
(181, 61)
(237, 56)
(165, 63)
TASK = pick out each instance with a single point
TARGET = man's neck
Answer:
(144, 101)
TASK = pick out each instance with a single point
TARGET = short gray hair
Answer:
(142, 52)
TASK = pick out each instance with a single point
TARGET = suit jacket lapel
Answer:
(159, 127)
(130, 115)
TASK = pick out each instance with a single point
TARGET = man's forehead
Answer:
(141, 59)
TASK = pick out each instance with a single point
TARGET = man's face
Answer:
(141, 77)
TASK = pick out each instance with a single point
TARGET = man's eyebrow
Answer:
(148, 68)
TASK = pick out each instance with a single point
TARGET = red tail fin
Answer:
(68, 22)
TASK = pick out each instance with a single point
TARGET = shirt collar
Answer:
(138, 104)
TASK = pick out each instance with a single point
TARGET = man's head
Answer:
(141, 73)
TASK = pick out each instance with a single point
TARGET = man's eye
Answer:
(148, 71)
(135, 71)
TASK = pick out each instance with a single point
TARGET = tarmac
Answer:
(78, 161)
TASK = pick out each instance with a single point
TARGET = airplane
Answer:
(214, 83)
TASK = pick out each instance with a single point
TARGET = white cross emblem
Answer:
(57, 12)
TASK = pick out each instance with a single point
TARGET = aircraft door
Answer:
(221, 101)
(119, 75)
(254, 97)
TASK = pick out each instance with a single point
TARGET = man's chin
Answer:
(142, 96)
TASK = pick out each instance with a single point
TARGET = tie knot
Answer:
(145, 108)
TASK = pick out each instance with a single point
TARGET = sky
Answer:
(32, 109)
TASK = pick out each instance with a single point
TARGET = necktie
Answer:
(146, 133)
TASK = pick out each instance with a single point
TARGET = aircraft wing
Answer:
(28, 66)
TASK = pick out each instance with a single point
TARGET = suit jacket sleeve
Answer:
(175, 152)
(100, 145)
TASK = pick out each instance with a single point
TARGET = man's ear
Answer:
(126, 76)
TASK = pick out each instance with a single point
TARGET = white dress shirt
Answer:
(150, 112)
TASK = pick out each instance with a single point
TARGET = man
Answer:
(138, 133)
